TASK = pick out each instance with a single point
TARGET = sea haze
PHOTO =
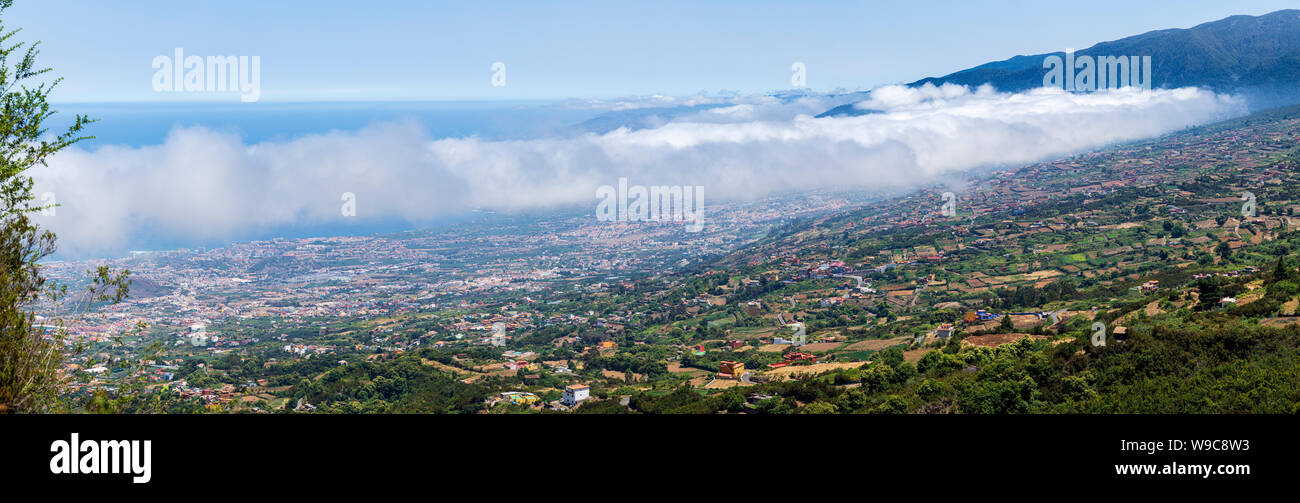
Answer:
(148, 124)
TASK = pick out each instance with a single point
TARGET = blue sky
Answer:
(389, 50)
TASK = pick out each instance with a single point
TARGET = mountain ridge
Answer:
(1255, 56)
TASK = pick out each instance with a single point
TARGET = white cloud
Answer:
(202, 185)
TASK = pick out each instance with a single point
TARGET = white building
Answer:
(574, 394)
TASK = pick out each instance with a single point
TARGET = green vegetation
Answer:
(29, 360)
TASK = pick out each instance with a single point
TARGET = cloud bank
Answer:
(203, 185)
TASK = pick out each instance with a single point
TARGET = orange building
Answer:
(730, 370)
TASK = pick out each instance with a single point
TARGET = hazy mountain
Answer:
(1256, 56)
(639, 118)
(776, 105)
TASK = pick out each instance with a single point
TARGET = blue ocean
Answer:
(137, 124)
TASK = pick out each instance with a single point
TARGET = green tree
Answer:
(30, 352)
(818, 408)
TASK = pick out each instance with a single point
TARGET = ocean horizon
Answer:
(148, 123)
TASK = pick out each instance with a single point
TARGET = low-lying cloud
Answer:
(203, 185)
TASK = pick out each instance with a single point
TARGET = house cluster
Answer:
(307, 350)
(1227, 274)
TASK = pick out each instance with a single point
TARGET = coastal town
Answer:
(552, 312)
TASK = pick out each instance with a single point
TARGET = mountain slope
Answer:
(1256, 56)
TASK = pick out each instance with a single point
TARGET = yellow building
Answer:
(521, 398)
(731, 369)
